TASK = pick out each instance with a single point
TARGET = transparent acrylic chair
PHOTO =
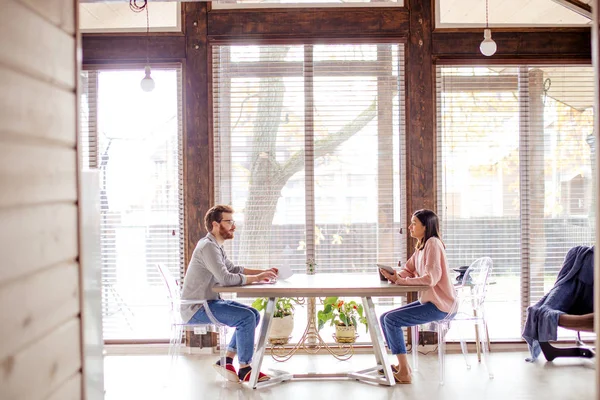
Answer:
(468, 308)
(178, 326)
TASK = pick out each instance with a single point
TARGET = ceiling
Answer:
(506, 13)
(118, 17)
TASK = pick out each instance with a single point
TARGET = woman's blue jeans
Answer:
(239, 316)
(411, 314)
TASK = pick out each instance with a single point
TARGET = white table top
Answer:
(320, 285)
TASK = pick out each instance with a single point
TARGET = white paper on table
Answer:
(284, 272)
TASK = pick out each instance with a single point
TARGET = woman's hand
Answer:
(390, 277)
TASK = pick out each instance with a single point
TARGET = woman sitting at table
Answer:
(427, 266)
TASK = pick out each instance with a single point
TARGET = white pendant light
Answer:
(488, 46)
(147, 84)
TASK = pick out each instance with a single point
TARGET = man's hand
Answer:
(265, 276)
(268, 275)
(390, 277)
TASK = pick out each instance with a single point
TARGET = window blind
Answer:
(515, 157)
(134, 139)
(88, 120)
(308, 146)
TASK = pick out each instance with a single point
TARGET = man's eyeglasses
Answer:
(231, 222)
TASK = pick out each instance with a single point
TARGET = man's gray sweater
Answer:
(209, 266)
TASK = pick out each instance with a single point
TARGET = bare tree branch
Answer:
(326, 145)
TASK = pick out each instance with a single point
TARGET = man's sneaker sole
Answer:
(227, 374)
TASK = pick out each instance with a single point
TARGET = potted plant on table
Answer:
(345, 315)
(283, 318)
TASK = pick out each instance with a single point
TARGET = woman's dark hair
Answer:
(215, 214)
(431, 223)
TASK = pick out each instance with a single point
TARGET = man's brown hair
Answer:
(215, 213)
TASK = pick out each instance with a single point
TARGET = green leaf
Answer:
(330, 301)
(344, 319)
(259, 304)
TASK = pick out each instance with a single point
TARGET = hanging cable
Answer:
(546, 88)
(133, 5)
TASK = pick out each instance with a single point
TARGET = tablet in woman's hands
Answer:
(387, 268)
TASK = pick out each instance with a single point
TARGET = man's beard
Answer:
(225, 233)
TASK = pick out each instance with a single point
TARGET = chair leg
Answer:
(442, 350)
(484, 347)
(415, 347)
(463, 345)
(223, 343)
(465, 352)
(174, 348)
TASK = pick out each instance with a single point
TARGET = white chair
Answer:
(178, 326)
(468, 308)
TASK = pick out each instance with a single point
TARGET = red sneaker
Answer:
(261, 377)
(228, 372)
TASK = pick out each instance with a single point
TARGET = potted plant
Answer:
(345, 315)
(283, 318)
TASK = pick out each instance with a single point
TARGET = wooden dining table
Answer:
(320, 285)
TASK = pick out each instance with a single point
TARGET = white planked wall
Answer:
(40, 324)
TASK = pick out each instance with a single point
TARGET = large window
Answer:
(134, 139)
(309, 151)
(515, 157)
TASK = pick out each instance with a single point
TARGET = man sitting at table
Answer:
(210, 266)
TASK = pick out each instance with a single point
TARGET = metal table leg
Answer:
(262, 342)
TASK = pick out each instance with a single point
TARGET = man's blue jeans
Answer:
(409, 315)
(243, 318)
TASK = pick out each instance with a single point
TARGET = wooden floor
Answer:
(145, 376)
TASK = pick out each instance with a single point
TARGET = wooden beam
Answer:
(308, 22)
(197, 150)
(420, 117)
(536, 44)
(99, 48)
(420, 111)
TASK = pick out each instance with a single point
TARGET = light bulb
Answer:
(488, 46)
(147, 83)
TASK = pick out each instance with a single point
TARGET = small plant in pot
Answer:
(345, 316)
(283, 318)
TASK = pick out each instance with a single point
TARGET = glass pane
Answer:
(563, 168)
(118, 17)
(517, 13)
(478, 129)
(140, 170)
(356, 164)
(259, 152)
